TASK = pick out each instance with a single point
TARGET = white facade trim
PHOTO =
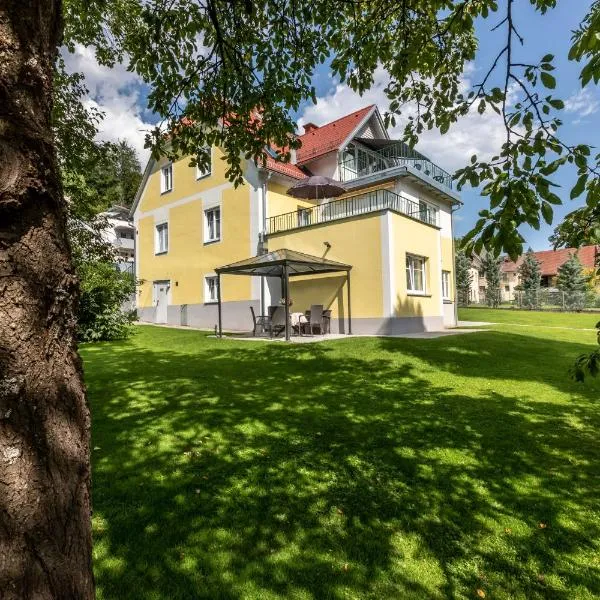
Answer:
(439, 275)
(388, 265)
(208, 194)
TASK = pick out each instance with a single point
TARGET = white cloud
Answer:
(482, 135)
(116, 92)
(583, 103)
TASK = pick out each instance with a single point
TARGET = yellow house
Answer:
(393, 227)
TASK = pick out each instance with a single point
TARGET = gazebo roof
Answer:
(273, 263)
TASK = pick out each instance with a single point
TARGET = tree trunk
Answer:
(45, 538)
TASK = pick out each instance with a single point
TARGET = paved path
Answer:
(474, 323)
(536, 325)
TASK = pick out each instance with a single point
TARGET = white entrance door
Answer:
(161, 294)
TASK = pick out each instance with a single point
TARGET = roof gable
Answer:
(333, 135)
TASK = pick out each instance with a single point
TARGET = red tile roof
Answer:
(330, 136)
(285, 168)
(550, 260)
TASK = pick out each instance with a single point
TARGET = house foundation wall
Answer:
(388, 326)
(235, 315)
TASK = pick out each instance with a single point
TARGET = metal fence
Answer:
(544, 299)
(553, 299)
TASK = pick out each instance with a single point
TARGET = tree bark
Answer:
(45, 537)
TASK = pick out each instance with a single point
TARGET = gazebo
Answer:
(283, 264)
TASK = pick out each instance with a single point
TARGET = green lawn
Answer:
(359, 468)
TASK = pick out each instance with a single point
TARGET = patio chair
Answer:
(316, 319)
(259, 321)
(277, 321)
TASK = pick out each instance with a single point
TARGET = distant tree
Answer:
(572, 282)
(464, 278)
(491, 269)
(107, 174)
(120, 170)
(530, 280)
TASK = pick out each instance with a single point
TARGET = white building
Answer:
(120, 233)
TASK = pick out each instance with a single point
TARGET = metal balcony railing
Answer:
(358, 161)
(352, 206)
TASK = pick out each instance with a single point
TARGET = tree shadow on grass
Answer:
(230, 470)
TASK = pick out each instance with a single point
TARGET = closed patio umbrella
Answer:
(316, 187)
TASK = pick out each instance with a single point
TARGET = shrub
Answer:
(104, 289)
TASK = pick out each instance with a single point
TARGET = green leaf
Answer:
(579, 187)
(548, 80)
(547, 212)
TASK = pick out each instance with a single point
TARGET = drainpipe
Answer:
(454, 265)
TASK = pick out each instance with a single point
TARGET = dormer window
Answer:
(206, 171)
(166, 179)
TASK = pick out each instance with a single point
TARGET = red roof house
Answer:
(551, 260)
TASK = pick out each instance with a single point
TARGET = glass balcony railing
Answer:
(352, 206)
(359, 161)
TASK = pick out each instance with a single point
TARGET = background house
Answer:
(120, 234)
(550, 261)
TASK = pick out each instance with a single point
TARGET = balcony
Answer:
(121, 242)
(369, 156)
(349, 207)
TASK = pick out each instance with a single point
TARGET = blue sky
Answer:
(122, 97)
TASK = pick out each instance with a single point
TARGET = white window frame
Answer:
(446, 285)
(202, 174)
(207, 238)
(164, 189)
(410, 274)
(157, 228)
(208, 299)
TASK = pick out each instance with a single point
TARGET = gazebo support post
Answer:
(349, 305)
(286, 283)
(219, 304)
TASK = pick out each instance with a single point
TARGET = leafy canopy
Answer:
(217, 61)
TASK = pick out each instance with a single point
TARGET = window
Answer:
(212, 229)
(166, 179)
(415, 274)
(200, 172)
(211, 287)
(446, 284)
(162, 238)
